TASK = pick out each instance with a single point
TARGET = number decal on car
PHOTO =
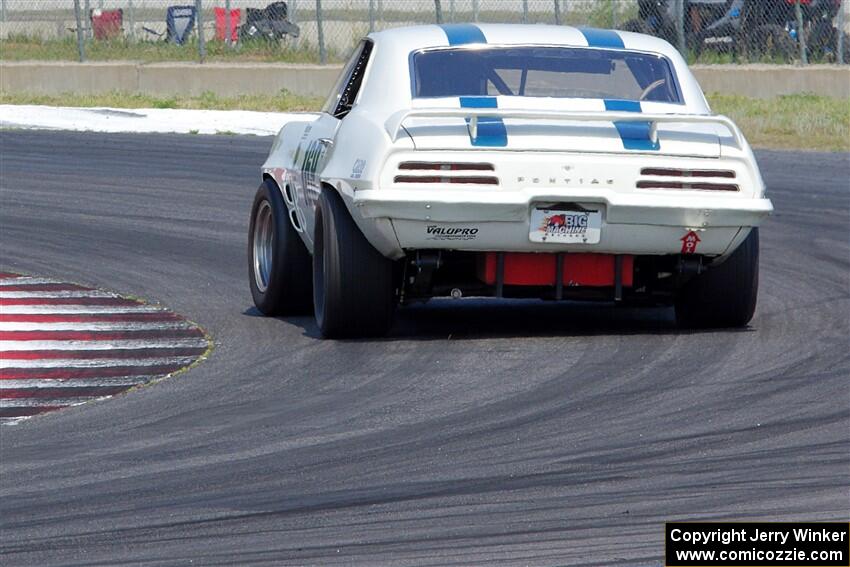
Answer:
(312, 158)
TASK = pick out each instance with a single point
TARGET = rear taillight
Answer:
(667, 172)
(680, 185)
(683, 182)
(469, 179)
(429, 168)
(445, 166)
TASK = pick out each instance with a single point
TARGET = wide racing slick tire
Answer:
(725, 295)
(279, 265)
(353, 292)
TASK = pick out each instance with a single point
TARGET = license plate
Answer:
(573, 227)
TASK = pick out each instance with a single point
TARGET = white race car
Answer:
(508, 161)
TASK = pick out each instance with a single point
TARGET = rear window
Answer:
(567, 72)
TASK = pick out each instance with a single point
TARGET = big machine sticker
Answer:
(560, 226)
(564, 223)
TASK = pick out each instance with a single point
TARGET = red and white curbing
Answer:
(64, 344)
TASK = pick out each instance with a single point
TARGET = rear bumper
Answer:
(650, 222)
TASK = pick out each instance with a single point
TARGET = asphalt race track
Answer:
(519, 433)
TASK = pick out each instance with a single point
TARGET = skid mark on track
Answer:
(63, 344)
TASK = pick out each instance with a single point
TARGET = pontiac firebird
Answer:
(508, 161)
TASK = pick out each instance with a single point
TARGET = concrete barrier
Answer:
(59, 76)
(229, 79)
(165, 79)
(234, 79)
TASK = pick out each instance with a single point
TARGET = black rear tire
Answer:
(284, 286)
(725, 295)
(353, 291)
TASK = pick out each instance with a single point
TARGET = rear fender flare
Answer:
(378, 231)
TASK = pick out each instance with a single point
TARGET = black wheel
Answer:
(822, 43)
(725, 295)
(353, 292)
(773, 43)
(279, 265)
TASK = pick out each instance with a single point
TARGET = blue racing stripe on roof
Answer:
(602, 38)
(635, 135)
(491, 130)
(623, 105)
(462, 34)
(478, 102)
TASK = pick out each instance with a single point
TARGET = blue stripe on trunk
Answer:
(635, 135)
(491, 130)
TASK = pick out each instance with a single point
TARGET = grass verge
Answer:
(807, 122)
(282, 101)
(804, 121)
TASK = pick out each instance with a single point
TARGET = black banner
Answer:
(757, 544)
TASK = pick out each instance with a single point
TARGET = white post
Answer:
(801, 34)
(323, 53)
(199, 17)
(87, 19)
(131, 18)
(81, 49)
(840, 42)
(227, 23)
(680, 25)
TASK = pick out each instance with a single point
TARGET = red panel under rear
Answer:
(524, 268)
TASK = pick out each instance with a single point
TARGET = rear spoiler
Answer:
(393, 124)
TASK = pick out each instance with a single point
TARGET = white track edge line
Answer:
(128, 381)
(127, 344)
(74, 364)
(98, 326)
(77, 309)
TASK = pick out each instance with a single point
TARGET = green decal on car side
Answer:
(312, 158)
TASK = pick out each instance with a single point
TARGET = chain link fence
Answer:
(707, 31)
